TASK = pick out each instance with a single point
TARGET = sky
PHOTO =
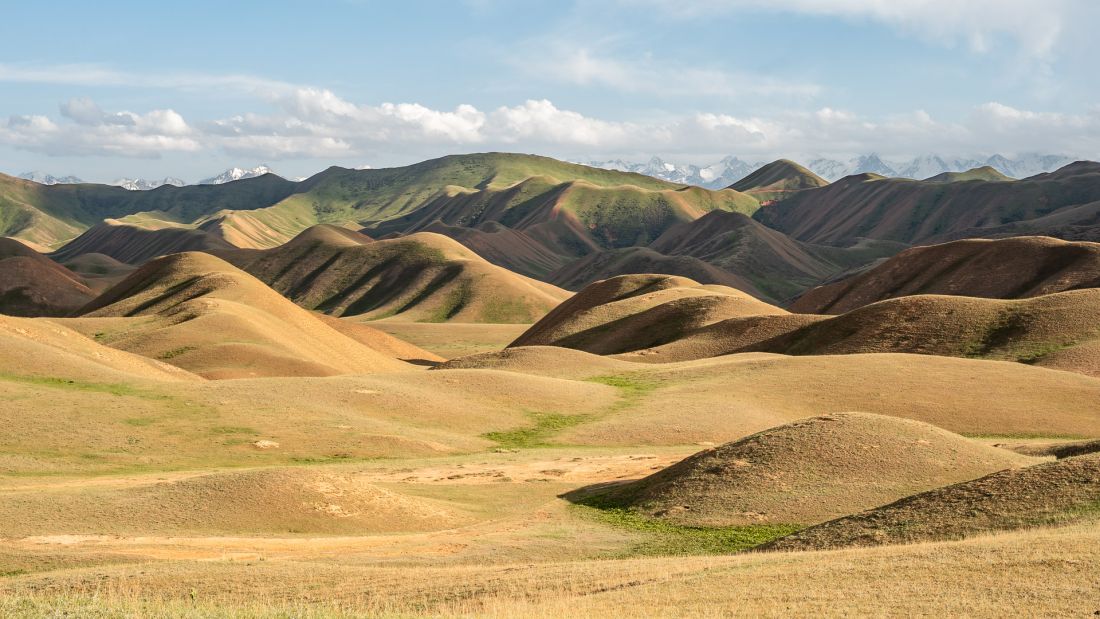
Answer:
(115, 89)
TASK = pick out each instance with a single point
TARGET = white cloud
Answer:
(318, 124)
(91, 131)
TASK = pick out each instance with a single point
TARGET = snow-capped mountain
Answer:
(49, 179)
(141, 184)
(927, 166)
(236, 174)
(731, 169)
(714, 176)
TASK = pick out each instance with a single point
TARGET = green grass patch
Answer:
(538, 435)
(139, 422)
(233, 430)
(665, 538)
(78, 385)
(632, 387)
(175, 352)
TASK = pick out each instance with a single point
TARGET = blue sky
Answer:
(111, 89)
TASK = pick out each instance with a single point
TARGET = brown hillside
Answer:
(514, 250)
(33, 285)
(98, 271)
(135, 244)
(1043, 494)
(1002, 269)
(640, 260)
(638, 311)
(775, 264)
(1027, 330)
(200, 313)
(809, 471)
(422, 277)
(909, 211)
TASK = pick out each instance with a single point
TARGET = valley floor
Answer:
(524, 552)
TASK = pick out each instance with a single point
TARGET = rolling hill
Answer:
(871, 206)
(1043, 494)
(808, 471)
(1057, 331)
(422, 277)
(630, 312)
(1002, 269)
(134, 244)
(201, 314)
(983, 173)
(778, 180)
(33, 285)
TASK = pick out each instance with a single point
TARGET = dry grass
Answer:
(1040, 572)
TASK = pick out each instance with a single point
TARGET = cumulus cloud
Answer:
(92, 131)
(310, 123)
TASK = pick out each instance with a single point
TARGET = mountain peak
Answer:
(779, 177)
(236, 174)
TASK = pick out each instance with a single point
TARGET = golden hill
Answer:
(33, 285)
(204, 315)
(808, 471)
(1043, 494)
(630, 312)
(422, 277)
(49, 351)
(1002, 269)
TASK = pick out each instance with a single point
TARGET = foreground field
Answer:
(524, 552)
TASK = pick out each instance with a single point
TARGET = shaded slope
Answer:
(809, 471)
(421, 277)
(202, 314)
(1043, 494)
(642, 260)
(629, 312)
(33, 285)
(1003, 269)
(512, 249)
(776, 265)
(866, 206)
(134, 244)
(99, 272)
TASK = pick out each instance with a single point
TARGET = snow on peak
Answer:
(236, 174)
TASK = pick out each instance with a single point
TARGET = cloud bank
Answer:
(318, 124)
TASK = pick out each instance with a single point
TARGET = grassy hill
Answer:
(422, 277)
(806, 472)
(1043, 494)
(984, 173)
(778, 180)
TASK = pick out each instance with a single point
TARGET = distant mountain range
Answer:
(236, 174)
(732, 169)
(141, 184)
(49, 179)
